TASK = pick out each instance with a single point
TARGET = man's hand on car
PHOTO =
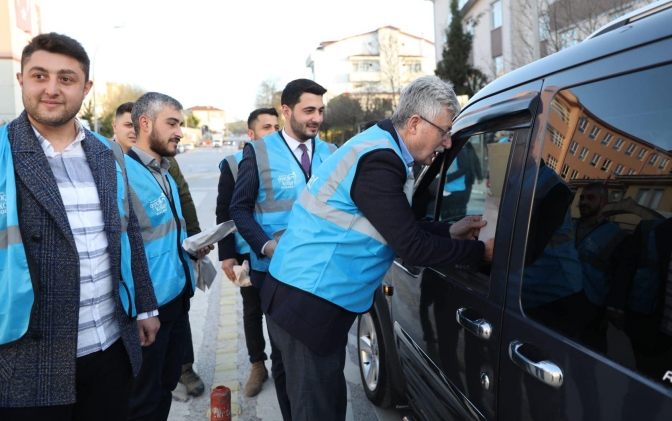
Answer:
(467, 228)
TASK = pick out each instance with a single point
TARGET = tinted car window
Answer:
(597, 265)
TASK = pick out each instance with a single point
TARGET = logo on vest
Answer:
(3, 203)
(159, 205)
(287, 181)
(312, 181)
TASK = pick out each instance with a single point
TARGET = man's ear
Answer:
(412, 124)
(250, 133)
(145, 123)
(19, 77)
(87, 86)
(286, 112)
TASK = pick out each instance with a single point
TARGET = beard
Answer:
(57, 119)
(587, 211)
(159, 146)
(300, 129)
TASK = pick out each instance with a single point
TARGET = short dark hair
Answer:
(254, 115)
(291, 95)
(126, 107)
(57, 44)
(600, 188)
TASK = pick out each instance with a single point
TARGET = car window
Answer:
(473, 184)
(597, 263)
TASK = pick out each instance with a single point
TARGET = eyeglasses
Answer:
(446, 133)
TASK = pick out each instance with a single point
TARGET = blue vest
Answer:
(241, 245)
(557, 272)
(163, 230)
(16, 285)
(644, 294)
(281, 180)
(330, 249)
(459, 183)
(595, 255)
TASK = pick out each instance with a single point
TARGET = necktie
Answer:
(305, 160)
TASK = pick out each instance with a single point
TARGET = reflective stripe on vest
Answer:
(644, 294)
(281, 180)
(347, 256)
(595, 255)
(169, 264)
(233, 160)
(557, 272)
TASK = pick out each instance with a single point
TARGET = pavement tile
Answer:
(227, 335)
(231, 384)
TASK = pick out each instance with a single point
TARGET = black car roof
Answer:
(604, 43)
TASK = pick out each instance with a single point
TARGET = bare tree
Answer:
(268, 94)
(560, 23)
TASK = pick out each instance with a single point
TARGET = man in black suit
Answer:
(271, 174)
(343, 234)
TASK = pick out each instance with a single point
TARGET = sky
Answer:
(217, 52)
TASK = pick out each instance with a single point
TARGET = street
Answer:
(217, 325)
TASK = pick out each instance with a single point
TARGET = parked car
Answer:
(180, 148)
(188, 146)
(216, 143)
(241, 144)
(522, 338)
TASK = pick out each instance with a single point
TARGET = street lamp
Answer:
(93, 71)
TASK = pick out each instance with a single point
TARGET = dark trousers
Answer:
(253, 324)
(160, 372)
(188, 347)
(315, 384)
(103, 384)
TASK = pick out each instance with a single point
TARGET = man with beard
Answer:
(271, 175)
(597, 241)
(124, 135)
(73, 276)
(157, 120)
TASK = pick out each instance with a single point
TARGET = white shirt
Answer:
(98, 328)
(294, 146)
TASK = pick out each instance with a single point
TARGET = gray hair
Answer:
(426, 96)
(150, 105)
(599, 187)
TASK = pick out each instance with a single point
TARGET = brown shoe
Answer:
(258, 376)
(191, 380)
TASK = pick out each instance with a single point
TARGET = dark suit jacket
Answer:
(227, 246)
(377, 190)
(39, 369)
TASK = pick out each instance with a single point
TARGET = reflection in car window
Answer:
(597, 265)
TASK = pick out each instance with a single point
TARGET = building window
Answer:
(663, 164)
(583, 123)
(499, 66)
(561, 110)
(565, 170)
(414, 66)
(568, 38)
(641, 155)
(619, 169)
(649, 198)
(552, 162)
(575, 174)
(632, 172)
(653, 159)
(594, 132)
(496, 14)
(595, 160)
(606, 164)
(619, 143)
(544, 25)
(583, 154)
(365, 66)
(631, 149)
(573, 147)
(606, 139)
(556, 138)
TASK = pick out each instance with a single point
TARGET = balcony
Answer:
(364, 76)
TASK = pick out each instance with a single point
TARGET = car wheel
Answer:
(372, 362)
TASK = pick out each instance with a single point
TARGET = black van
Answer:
(564, 324)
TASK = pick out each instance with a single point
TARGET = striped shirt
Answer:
(98, 328)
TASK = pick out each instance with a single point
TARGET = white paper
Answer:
(210, 236)
(490, 214)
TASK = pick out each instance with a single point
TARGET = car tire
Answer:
(372, 360)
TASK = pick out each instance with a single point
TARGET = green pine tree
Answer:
(454, 65)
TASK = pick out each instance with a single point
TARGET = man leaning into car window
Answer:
(343, 234)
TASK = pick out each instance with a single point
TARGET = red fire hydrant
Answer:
(220, 404)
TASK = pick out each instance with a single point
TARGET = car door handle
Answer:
(480, 327)
(414, 271)
(546, 371)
